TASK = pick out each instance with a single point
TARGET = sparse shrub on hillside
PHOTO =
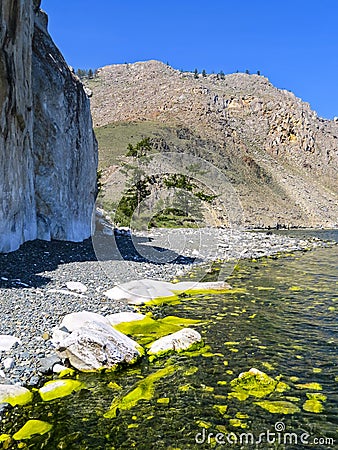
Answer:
(204, 74)
(182, 200)
(195, 73)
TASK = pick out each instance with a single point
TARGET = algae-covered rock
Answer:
(59, 388)
(313, 405)
(144, 390)
(222, 409)
(314, 402)
(181, 340)
(256, 383)
(148, 330)
(14, 395)
(31, 428)
(278, 407)
(138, 292)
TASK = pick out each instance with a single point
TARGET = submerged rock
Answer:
(278, 407)
(31, 428)
(59, 388)
(255, 383)
(184, 339)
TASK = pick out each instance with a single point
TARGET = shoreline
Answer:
(33, 292)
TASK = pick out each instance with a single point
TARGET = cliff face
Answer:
(48, 152)
(281, 158)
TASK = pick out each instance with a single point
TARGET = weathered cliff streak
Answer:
(48, 152)
(65, 150)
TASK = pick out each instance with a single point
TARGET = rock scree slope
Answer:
(48, 151)
(281, 158)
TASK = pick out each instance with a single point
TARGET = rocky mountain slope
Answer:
(281, 158)
(48, 152)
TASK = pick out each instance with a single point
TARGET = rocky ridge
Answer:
(280, 156)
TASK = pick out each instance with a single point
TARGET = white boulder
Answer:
(115, 319)
(73, 321)
(96, 346)
(7, 342)
(179, 341)
(77, 287)
(137, 292)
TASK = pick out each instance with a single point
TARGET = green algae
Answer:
(268, 366)
(313, 405)
(278, 407)
(222, 409)
(144, 390)
(241, 396)
(203, 424)
(193, 353)
(191, 371)
(179, 321)
(312, 386)
(31, 428)
(237, 423)
(148, 329)
(59, 388)
(114, 386)
(163, 400)
(66, 372)
(186, 388)
(316, 396)
(292, 399)
(256, 383)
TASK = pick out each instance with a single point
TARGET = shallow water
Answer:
(284, 324)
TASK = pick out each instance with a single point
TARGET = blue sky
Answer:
(293, 43)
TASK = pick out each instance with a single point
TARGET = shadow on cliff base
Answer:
(30, 264)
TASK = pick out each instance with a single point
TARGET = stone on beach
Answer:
(179, 341)
(76, 286)
(95, 346)
(7, 342)
(73, 321)
(138, 292)
(14, 395)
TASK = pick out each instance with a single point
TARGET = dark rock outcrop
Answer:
(48, 152)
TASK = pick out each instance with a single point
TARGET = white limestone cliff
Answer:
(48, 151)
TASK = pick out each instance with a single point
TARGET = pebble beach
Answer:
(34, 296)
